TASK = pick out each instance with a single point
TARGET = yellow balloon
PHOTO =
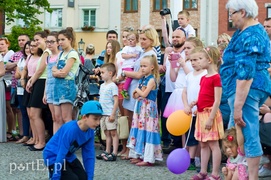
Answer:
(178, 123)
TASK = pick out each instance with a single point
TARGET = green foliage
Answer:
(18, 30)
(27, 10)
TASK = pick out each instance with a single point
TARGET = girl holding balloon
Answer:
(209, 124)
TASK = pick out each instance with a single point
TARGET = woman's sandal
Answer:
(142, 163)
(110, 157)
(10, 137)
(213, 177)
(101, 156)
(22, 140)
(199, 176)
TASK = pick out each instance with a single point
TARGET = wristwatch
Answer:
(123, 73)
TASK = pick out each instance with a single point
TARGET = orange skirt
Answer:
(217, 130)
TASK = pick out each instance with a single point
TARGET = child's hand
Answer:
(135, 95)
(143, 88)
(181, 61)
(225, 171)
(134, 55)
(193, 103)
(209, 124)
(112, 118)
(187, 110)
(169, 56)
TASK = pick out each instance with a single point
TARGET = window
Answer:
(269, 12)
(190, 4)
(131, 5)
(89, 17)
(54, 19)
(159, 4)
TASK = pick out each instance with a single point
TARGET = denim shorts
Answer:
(64, 91)
(49, 89)
(250, 110)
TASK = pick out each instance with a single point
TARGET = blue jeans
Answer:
(250, 111)
(25, 118)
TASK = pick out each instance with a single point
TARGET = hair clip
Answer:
(207, 49)
(230, 138)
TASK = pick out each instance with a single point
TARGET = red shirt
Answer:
(207, 91)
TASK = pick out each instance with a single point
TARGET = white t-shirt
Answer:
(107, 92)
(193, 87)
(170, 86)
(8, 55)
(129, 63)
(189, 30)
(180, 81)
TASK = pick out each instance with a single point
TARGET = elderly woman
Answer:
(245, 77)
(3, 127)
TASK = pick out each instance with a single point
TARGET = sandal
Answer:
(10, 137)
(22, 140)
(101, 156)
(213, 177)
(110, 157)
(199, 176)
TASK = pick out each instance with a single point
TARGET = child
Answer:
(64, 73)
(48, 97)
(144, 138)
(183, 20)
(190, 94)
(233, 147)
(130, 53)
(209, 124)
(109, 102)
(59, 152)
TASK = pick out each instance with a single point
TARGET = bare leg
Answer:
(58, 120)
(216, 156)
(34, 139)
(115, 138)
(108, 141)
(252, 163)
(129, 114)
(205, 155)
(66, 110)
(39, 125)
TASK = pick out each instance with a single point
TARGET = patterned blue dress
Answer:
(144, 139)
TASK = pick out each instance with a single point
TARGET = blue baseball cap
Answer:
(92, 107)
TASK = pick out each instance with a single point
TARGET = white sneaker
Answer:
(264, 172)
(264, 160)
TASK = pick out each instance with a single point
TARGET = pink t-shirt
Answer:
(31, 64)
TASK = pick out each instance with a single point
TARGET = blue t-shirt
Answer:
(63, 145)
(247, 57)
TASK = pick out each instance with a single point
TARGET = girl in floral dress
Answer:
(144, 138)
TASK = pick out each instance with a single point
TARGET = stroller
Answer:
(87, 89)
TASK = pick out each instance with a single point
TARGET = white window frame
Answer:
(81, 17)
(48, 23)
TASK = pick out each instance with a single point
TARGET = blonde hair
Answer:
(90, 49)
(6, 40)
(229, 137)
(151, 34)
(115, 48)
(155, 71)
(133, 33)
(224, 36)
(211, 53)
(196, 41)
(184, 12)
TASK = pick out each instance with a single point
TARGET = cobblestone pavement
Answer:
(18, 163)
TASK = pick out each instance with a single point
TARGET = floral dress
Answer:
(144, 139)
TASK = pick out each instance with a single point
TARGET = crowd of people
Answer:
(223, 87)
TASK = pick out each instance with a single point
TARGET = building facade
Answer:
(208, 17)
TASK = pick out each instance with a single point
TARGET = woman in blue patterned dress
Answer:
(245, 77)
(144, 139)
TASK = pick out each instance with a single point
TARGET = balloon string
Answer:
(188, 132)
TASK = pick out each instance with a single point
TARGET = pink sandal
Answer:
(199, 176)
(213, 177)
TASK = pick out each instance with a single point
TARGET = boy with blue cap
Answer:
(59, 152)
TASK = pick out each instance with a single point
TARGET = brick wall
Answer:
(223, 15)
